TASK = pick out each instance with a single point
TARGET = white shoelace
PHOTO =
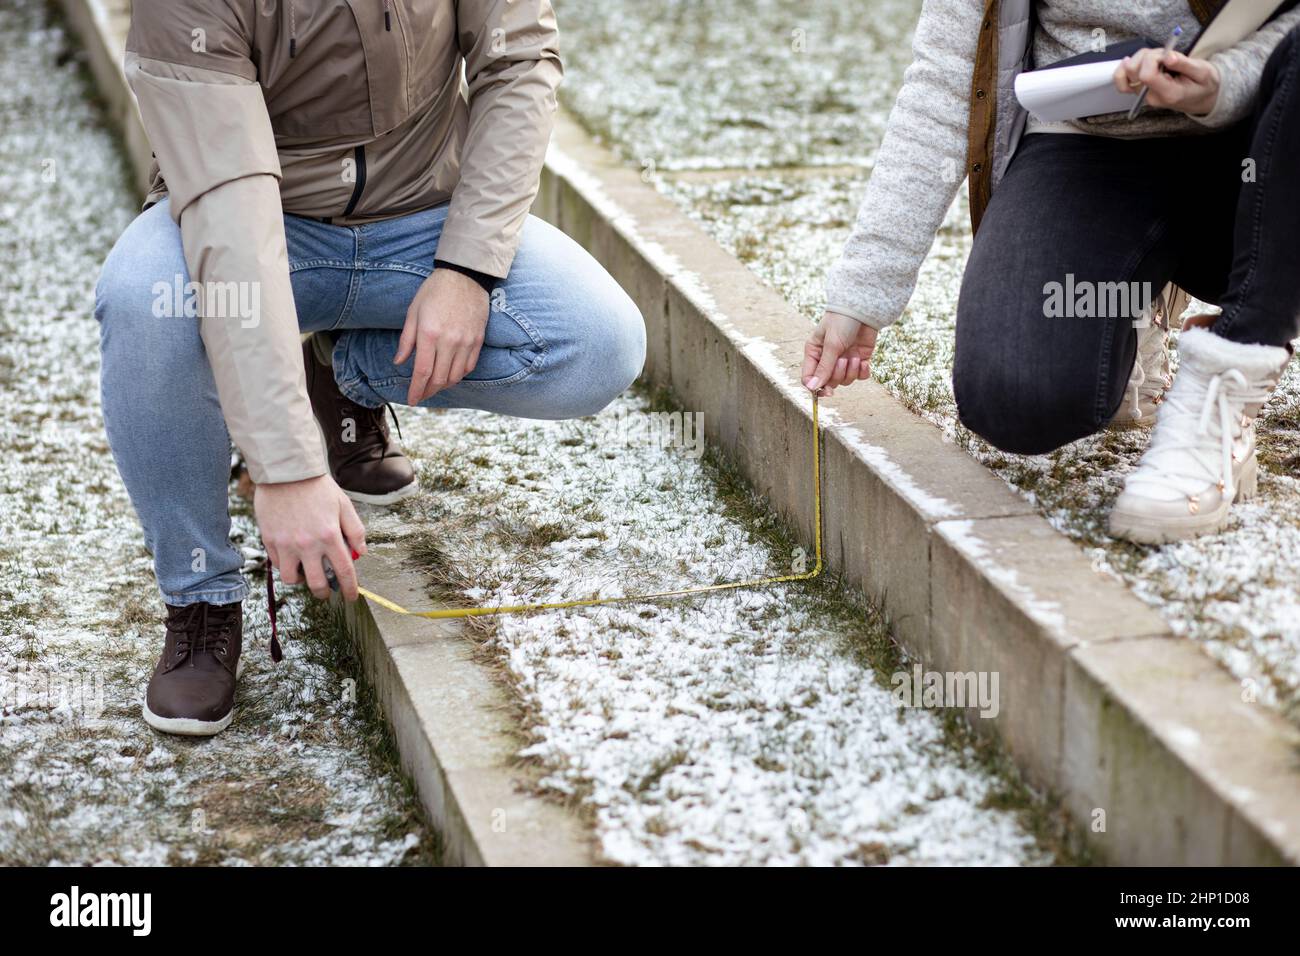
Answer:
(1180, 462)
(1135, 389)
(1146, 380)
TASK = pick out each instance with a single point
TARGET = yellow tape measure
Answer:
(443, 613)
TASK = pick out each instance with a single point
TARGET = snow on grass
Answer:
(744, 728)
(1237, 592)
(301, 776)
(710, 84)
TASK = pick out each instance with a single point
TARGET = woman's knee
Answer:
(1020, 409)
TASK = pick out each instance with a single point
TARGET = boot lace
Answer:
(196, 633)
(1150, 378)
(370, 423)
(1199, 411)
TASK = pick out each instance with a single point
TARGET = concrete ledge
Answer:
(451, 719)
(101, 27)
(1098, 704)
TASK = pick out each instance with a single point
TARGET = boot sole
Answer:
(187, 726)
(385, 499)
(1143, 529)
(191, 726)
(361, 497)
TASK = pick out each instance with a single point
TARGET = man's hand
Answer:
(1176, 82)
(444, 327)
(837, 353)
(305, 521)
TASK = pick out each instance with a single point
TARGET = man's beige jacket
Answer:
(346, 110)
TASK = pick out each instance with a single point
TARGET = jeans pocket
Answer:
(513, 348)
(497, 367)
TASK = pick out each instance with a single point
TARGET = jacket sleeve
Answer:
(512, 66)
(1241, 67)
(918, 169)
(211, 136)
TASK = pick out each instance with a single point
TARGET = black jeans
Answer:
(1219, 214)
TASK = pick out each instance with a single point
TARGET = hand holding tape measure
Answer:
(463, 612)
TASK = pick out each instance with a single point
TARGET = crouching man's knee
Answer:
(144, 277)
(607, 360)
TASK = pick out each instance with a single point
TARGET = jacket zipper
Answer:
(359, 154)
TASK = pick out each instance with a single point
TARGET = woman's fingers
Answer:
(1194, 68)
(824, 370)
(1150, 64)
(812, 353)
(841, 367)
(1173, 80)
(1126, 74)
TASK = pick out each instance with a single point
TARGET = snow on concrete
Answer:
(82, 779)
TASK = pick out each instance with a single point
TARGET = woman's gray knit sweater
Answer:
(915, 177)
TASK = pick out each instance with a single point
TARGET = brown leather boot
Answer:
(192, 691)
(365, 461)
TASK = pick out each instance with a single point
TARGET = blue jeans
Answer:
(562, 341)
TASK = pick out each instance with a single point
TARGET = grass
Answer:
(860, 630)
(866, 637)
(328, 645)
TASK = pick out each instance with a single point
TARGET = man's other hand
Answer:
(444, 328)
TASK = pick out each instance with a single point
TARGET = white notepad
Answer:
(1067, 92)
(1071, 92)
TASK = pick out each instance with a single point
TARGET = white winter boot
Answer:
(1148, 382)
(1151, 378)
(1202, 453)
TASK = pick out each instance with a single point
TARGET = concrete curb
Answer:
(101, 27)
(1146, 741)
(451, 719)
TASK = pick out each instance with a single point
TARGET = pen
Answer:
(1142, 96)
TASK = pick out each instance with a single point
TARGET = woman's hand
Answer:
(445, 324)
(837, 353)
(1176, 82)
